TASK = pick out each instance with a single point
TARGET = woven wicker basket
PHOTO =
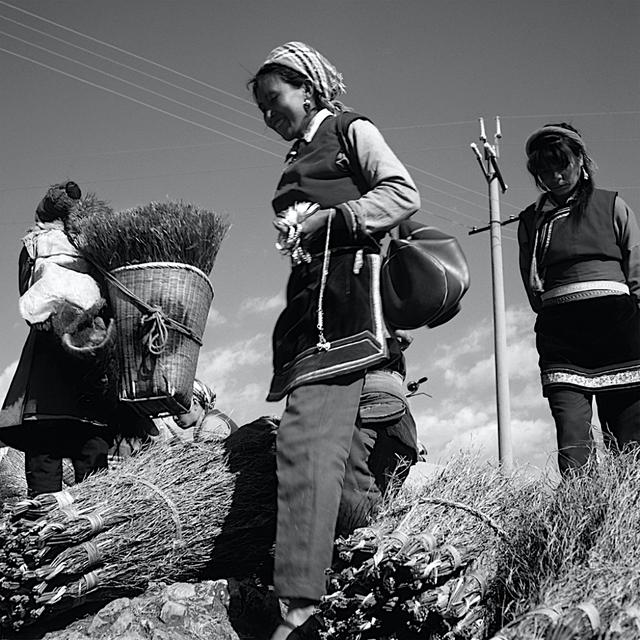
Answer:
(159, 383)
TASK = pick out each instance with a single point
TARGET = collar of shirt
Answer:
(545, 203)
(316, 121)
(307, 137)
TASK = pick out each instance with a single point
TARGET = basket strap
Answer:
(157, 319)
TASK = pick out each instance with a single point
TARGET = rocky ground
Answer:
(209, 610)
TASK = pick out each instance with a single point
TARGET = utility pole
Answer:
(491, 171)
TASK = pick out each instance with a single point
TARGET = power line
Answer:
(210, 86)
(137, 86)
(425, 126)
(118, 152)
(452, 196)
(140, 102)
(191, 121)
(134, 69)
(197, 110)
(513, 117)
(129, 53)
(236, 97)
(455, 184)
(190, 107)
(574, 115)
(147, 177)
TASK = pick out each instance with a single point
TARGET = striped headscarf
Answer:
(324, 77)
(204, 395)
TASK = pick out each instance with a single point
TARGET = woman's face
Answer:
(561, 181)
(192, 417)
(282, 106)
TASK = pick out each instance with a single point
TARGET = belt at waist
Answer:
(582, 290)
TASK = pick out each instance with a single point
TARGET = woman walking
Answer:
(341, 191)
(580, 263)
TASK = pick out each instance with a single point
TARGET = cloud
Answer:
(474, 342)
(5, 378)
(226, 361)
(262, 304)
(462, 413)
(469, 364)
(215, 318)
(449, 428)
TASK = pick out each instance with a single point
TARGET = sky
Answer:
(146, 100)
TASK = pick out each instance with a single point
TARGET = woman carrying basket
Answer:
(341, 191)
(580, 263)
(58, 405)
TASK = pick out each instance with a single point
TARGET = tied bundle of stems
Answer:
(583, 569)
(12, 482)
(426, 567)
(156, 232)
(176, 511)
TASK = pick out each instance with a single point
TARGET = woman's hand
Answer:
(281, 225)
(403, 337)
(308, 217)
(296, 225)
(314, 222)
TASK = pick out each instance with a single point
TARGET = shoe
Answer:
(309, 630)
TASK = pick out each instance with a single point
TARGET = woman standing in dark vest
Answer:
(341, 190)
(580, 263)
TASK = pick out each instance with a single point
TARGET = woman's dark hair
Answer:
(286, 74)
(555, 151)
(292, 77)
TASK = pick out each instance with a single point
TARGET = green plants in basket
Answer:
(177, 232)
(156, 259)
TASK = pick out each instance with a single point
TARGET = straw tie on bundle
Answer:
(157, 334)
(179, 541)
(428, 566)
(176, 511)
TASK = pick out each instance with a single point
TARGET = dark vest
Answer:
(582, 247)
(321, 171)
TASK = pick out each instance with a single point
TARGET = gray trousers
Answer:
(322, 470)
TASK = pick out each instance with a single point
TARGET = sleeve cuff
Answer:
(349, 219)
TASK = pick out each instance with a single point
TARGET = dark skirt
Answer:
(591, 345)
(353, 323)
(51, 384)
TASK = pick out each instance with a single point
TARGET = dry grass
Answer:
(469, 555)
(427, 567)
(156, 232)
(175, 512)
(532, 559)
(579, 568)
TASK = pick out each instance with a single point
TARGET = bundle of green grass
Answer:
(156, 260)
(170, 231)
(470, 554)
(428, 565)
(473, 555)
(577, 575)
(176, 511)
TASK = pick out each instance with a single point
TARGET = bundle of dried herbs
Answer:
(176, 511)
(156, 232)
